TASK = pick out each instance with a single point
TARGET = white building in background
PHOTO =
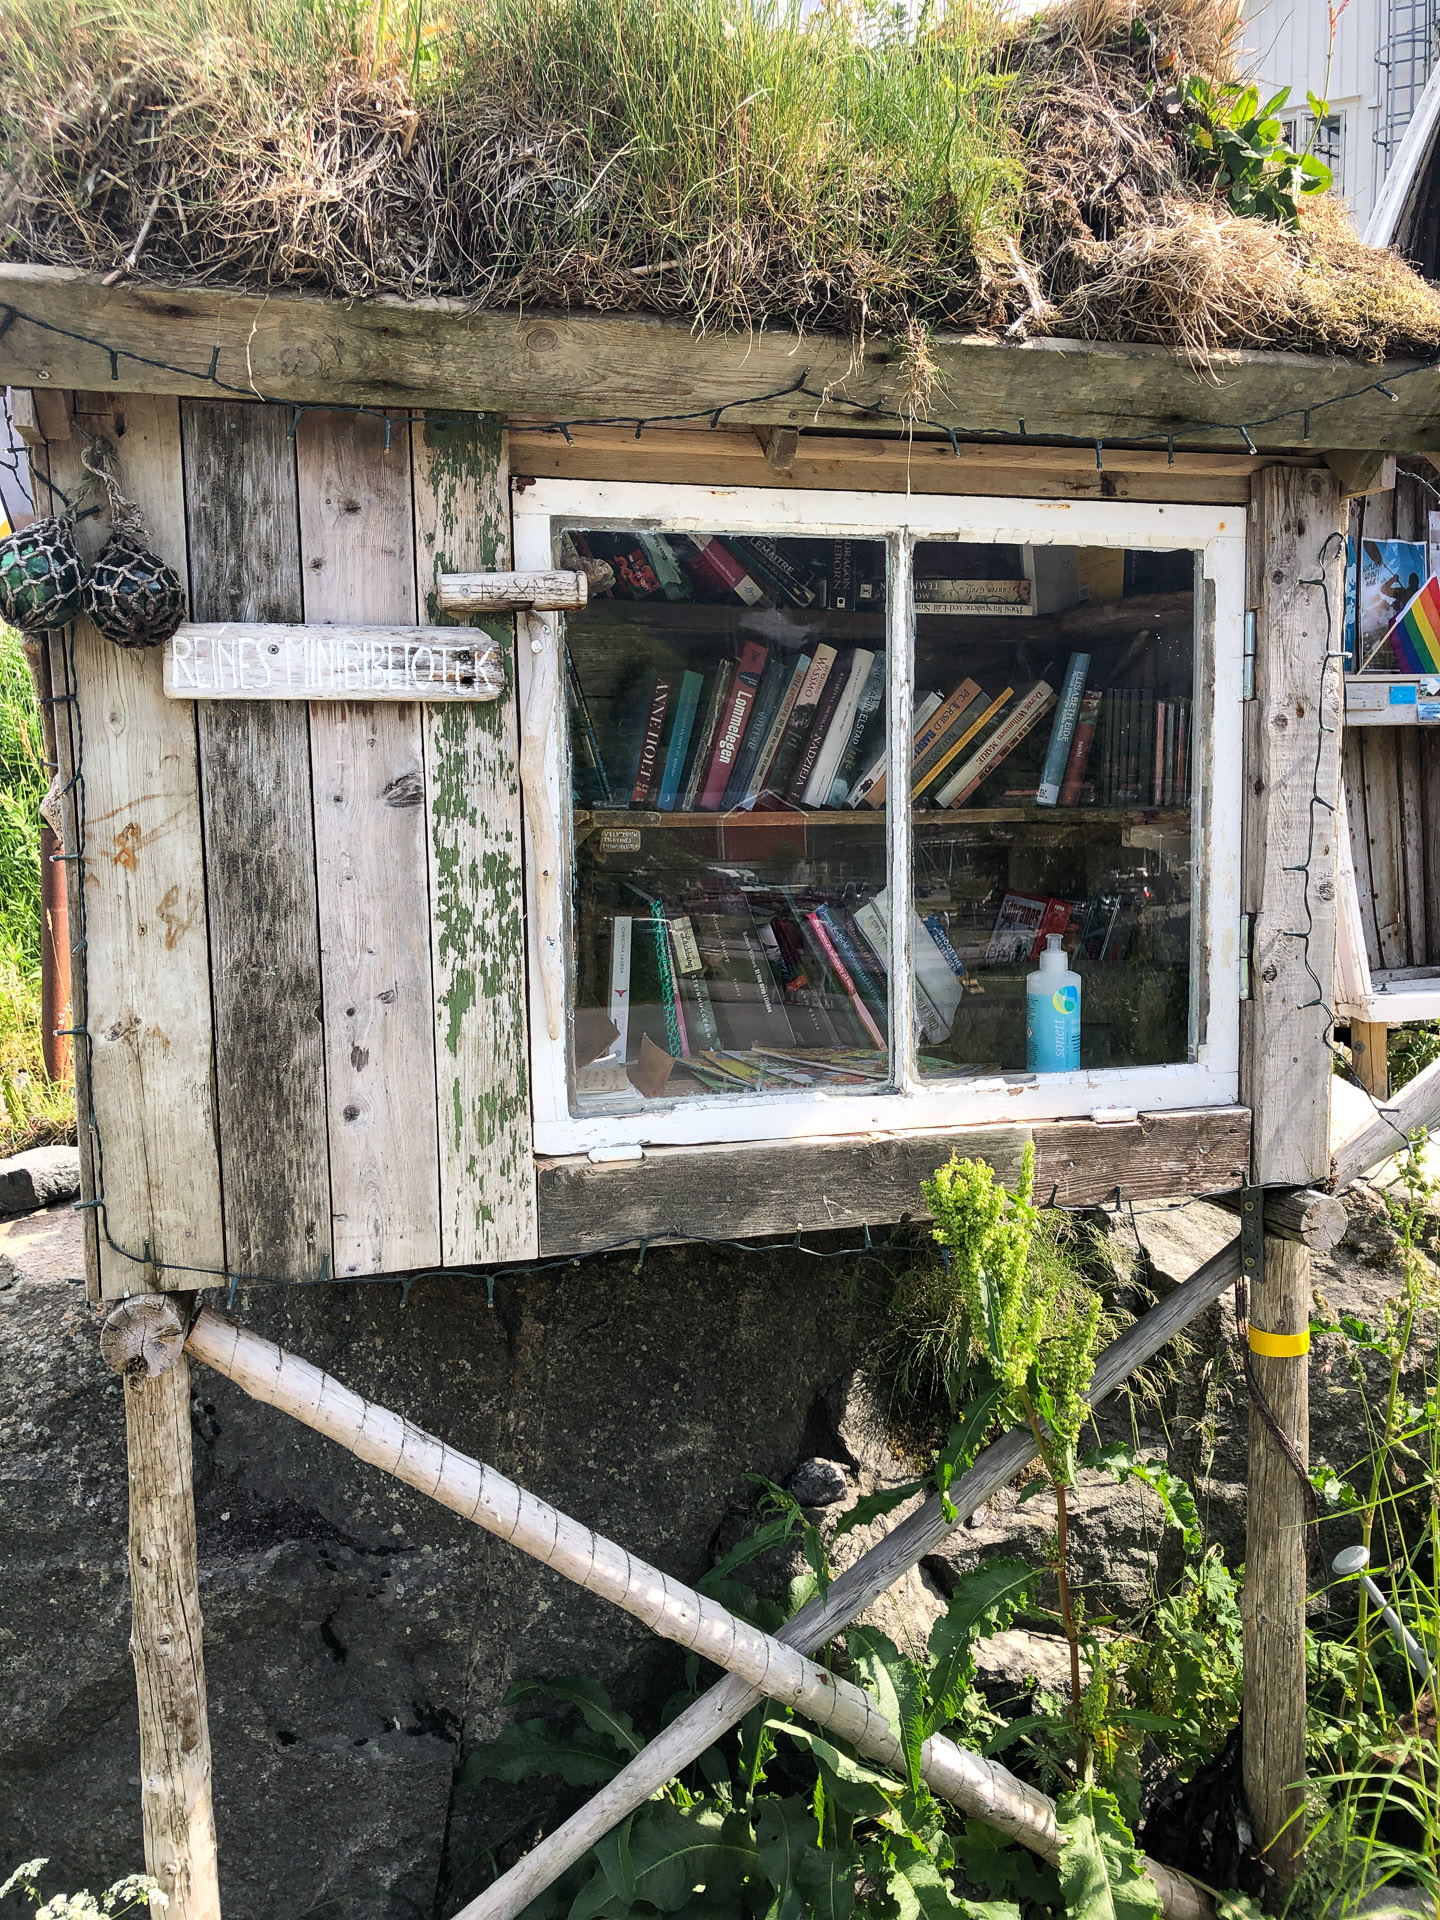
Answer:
(1383, 53)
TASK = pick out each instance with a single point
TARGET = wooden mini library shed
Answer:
(406, 944)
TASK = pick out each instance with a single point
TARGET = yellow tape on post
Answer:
(1279, 1346)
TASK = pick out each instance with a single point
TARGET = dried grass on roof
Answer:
(709, 159)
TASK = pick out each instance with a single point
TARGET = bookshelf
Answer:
(959, 819)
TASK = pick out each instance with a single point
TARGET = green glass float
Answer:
(133, 597)
(41, 576)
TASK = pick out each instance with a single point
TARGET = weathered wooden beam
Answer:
(543, 592)
(1417, 1104)
(724, 1706)
(245, 660)
(1370, 1053)
(1365, 470)
(686, 1192)
(778, 1671)
(1303, 1214)
(779, 446)
(1292, 784)
(1273, 1602)
(144, 1341)
(554, 366)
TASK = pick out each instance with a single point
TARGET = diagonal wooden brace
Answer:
(726, 1704)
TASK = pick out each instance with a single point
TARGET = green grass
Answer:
(33, 1109)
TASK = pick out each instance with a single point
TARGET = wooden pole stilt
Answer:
(144, 1340)
(1275, 1571)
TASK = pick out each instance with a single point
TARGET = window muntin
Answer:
(545, 509)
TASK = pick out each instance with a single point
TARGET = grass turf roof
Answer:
(724, 161)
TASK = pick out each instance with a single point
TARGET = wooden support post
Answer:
(1304, 1214)
(1275, 1573)
(144, 1340)
(1370, 1056)
(1292, 791)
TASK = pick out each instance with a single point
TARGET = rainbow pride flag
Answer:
(1415, 636)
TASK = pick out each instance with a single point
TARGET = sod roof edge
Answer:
(590, 366)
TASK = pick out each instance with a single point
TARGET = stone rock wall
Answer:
(359, 1640)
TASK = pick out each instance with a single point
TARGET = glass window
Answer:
(1050, 775)
(727, 700)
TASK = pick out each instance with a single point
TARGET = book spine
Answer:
(1157, 754)
(767, 698)
(768, 559)
(838, 968)
(970, 728)
(715, 567)
(687, 705)
(864, 981)
(1182, 758)
(674, 1018)
(1062, 732)
(731, 731)
(647, 768)
(822, 775)
(770, 746)
(1136, 722)
(936, 595)
(1104, 785)
(872, 698)
(587, 740)
(618, 1006)
(842, 574)
(705, 736)
(665, 567)
(1079, 756)
(1055, 919)
(1001, 743)
(1145, 772)
(870, 788)
(820, 725)
(802, 718)
(929, 738)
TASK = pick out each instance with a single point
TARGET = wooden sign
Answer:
(231, 660)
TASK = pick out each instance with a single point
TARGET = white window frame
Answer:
(1209, 1078)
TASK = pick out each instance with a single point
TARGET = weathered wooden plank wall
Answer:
(242, 509)
(278, 1012)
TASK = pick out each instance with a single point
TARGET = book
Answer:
(940, 596)
(849, 681)
(649, 767)
(842, 581)
(770, 562)
(1157, 754)
(1105, 765)
(870, 787)
(1031, 705)
(1062, 731)
(1145, 744)
(747, 998)
(869, 712)
(938, 989)
(811, 1020)
(1081, 743)
(869, 985)
(935, 927)
(797, 732)
(630, 731)
(970, 725)
(767, 699)
(838, 968)
(714, 568)
(704, 736)
(734, 718)
(687, 705)
(770, 745)
(691, 984)
(665, 567)
(928, 740)
(618, 1004)
(1022, 926)
(655, 1009)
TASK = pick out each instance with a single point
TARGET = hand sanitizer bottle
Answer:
(1052, 1013)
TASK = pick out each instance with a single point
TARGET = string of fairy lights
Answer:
(13, 462)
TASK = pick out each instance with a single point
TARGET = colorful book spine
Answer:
(772, 686)
(941, 596)
(837, 733)
(734, 719)
(666, 568)
(618, 1005)
(836, 684)
(770, 746)
(1002, 741)
(935, 927)
(1145, 749)
(838, 968)
(687, 706)
(972, 725)
(772, 563)
(872, 700)
(1157, 755)
(1062, 731)
(842, 574)
(1078, 758)
(648, 767)
(929, 741)
(802, 719)
(870, 787)
(705, 735)
(713, 567)
(869, 986)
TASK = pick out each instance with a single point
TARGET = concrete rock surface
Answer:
(39, 1177)
(360, 1641)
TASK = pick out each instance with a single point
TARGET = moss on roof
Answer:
(726, 161)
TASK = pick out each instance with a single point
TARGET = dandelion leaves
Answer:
(1101, 1875)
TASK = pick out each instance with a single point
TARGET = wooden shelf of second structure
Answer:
(1176, 817)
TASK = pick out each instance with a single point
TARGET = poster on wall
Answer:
(1391, 573)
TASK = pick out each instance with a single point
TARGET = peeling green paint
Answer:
(478, 891)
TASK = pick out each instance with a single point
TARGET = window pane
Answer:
(726, 693)
(1050, 785)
